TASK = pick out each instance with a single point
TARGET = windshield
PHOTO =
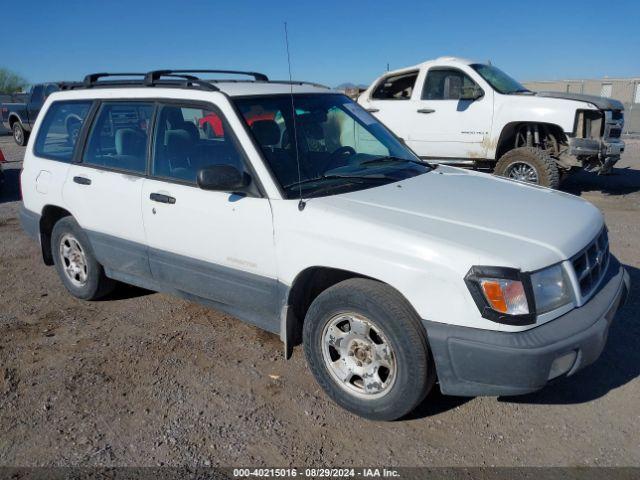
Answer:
(499, 80)
(341, 147)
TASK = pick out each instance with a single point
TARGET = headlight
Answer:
(506, 295)
(551, 289)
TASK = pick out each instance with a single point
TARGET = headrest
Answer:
(178, 140)
(314, 131)
(266, 132)
(190, 128)
(129, 142)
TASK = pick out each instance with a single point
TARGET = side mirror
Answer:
(471, 93)
(223, 178)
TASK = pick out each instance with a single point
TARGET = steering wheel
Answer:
(339, 154)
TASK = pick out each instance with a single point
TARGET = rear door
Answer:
(105, 187)
(390, 101)
(213, 245)
(441, 124)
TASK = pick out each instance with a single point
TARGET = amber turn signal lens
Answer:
(505, 296)
(493, 292)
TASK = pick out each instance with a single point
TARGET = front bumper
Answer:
(588, 147)
(472, 362)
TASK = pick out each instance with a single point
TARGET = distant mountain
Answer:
(346, 85)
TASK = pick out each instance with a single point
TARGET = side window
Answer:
(445, 84)
(119, 137)
(188, 139)
(37, 94)
(396, 87)
(58, 132)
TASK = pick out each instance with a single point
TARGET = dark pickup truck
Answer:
(19, 117)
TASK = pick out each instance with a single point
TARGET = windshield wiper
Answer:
(336, 177)
(391, 158)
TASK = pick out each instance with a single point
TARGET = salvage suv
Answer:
(465, 113)
(303, 215)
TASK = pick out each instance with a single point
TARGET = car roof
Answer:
(237, 88)
(274, 87)
(440, 61)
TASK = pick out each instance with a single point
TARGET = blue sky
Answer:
(331, 41)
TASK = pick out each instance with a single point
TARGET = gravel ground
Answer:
(147, 379)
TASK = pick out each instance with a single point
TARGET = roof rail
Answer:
(258, 77)
(91, 79)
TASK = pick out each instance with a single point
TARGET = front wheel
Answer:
(529, 164)
(367, 349)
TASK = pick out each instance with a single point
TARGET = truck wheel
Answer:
(19, 135)
(368, 350)
(529, 164)
(75, 262)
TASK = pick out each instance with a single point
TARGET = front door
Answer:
(106, 187)
(212, 245)
(445, 126)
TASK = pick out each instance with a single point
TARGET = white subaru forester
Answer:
(289, 206)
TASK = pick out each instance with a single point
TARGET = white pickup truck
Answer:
(457, 111)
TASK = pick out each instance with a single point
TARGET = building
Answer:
(627, 90)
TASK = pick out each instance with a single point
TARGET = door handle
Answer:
(373, 110)
(159, 197)
(425, 110)
(82, 180)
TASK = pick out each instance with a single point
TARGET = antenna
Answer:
(301, 203)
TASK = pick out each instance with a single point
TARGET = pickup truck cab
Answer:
(305, 216)
(456, 111)
(20, 117)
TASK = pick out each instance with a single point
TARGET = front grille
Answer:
(615, 133)
(591, 263)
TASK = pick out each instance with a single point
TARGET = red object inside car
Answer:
(216, 124)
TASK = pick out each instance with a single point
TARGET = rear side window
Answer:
(445, 84)
(188, 139)
(119, 137)
(396, 87)
(59, 131)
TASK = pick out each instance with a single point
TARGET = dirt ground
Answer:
(147, 379)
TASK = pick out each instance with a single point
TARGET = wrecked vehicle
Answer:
(460, 112)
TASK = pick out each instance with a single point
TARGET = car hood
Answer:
(494, 219)
(602, 103)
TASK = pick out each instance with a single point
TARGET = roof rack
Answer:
(156, 74)
(170, 78)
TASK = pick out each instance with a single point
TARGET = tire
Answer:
(89, 281)
(534, 161)
(20, 136)
(394, 323)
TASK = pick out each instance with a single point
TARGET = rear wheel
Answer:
(19, 134)
(367, 349)
(75, 262)
(529, 164)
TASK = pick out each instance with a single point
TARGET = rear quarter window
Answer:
(58, 134)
